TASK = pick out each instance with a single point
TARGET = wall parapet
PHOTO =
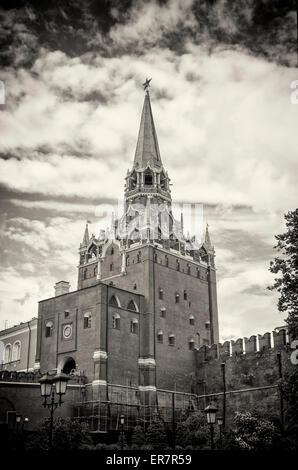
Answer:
(269, 341)
(33, 377)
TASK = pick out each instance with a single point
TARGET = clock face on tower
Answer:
(67, 331)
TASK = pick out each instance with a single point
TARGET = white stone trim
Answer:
(112, 277)
(147, 388)
(149, 361)
(100, 355)
(36, 366)
(99, 382)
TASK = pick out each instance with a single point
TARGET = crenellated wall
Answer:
(248, 369)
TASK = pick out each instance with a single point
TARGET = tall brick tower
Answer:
(146, 298)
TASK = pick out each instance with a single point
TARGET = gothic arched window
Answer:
(116, 322)
(171, 340)
(7, 356)
(16, 351)
(160, 336)
(148, 178)
(134, 326)
(160, 294)
(49, 329)
(87, 320)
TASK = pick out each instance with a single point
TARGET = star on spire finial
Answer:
(146, 84)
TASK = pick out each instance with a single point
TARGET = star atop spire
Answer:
(146, 84)
(147, 150)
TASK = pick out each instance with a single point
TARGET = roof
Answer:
(147, 150)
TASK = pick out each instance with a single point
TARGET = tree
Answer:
(194, 432)
(286, 265)
(68, 434)
(287, 285)
(138, 438)
(156, 435)
(252, 432)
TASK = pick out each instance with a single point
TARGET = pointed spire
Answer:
(86, 236)
(147, 150)
(113, 225)
(207, 238)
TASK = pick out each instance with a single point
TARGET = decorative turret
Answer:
(207, 241)
(207, 252)
(86, 237)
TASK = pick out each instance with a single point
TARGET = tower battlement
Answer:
(255, 344)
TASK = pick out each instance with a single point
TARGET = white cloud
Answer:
(232, 122)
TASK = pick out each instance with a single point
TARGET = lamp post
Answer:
(18, 420)
(220, 423)
(122, 421)
(48, 386)
(211, 411)
(25, 421)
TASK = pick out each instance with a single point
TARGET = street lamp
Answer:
(18, 420)
(122, 421)
(48, 386)
(211, 411)
(220, 423)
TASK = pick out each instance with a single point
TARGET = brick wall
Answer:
(251, 371)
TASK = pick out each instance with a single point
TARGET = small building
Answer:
(18, 346)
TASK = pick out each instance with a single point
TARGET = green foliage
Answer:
(120, 443)
(290, 393)
(287, 285)
(68, 434)
(138, 438)
(194, 432)
(286, 266)
(252, 432)
(156, 436)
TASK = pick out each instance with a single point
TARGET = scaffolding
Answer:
(103, 416)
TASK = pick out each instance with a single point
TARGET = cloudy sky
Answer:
(227, 131)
